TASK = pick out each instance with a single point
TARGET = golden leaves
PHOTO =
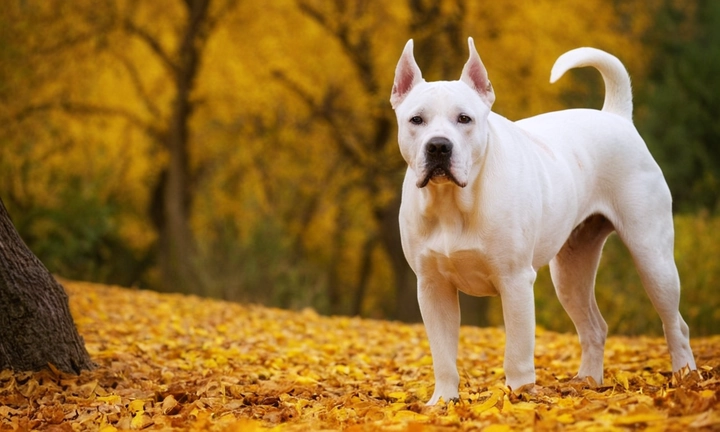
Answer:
(171, 362)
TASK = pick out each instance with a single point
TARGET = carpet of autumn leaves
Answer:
(173, 362)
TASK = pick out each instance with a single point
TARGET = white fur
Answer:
(517, 196)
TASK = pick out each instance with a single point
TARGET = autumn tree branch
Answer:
(223, 11)
(91, 109)
(137, 83)
(357, 45)
(358, 49)
(324, 110)
(153, 44)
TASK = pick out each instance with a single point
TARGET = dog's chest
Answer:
(466, 270)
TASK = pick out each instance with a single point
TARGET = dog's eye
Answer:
(464, 119)
(416, 120)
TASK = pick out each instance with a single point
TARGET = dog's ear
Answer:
(475, 75)
(407, 74)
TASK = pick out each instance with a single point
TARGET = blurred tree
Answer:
(126, 34)
(70, 192)
(173, 192)
(36, 327)
(377, 157)
(362, 134)
(679, 104)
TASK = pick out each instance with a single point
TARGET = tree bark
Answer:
(36, 327)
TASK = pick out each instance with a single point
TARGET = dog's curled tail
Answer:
(618, 91)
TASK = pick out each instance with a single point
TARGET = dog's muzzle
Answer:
(438, 155)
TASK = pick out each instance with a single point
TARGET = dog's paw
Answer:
(583, 382)
(531, 389)
(442, 401)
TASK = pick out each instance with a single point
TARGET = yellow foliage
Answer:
(174, 362)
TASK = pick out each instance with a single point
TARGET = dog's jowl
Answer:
(486, 202)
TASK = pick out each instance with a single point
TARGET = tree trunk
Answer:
(36, 327)
(176, 241)
(364, 276)
(406, 304)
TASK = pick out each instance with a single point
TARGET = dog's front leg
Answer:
(441, 314)
(518, 306)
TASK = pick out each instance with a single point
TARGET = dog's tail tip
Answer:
(618, 89)
(558, 70)
(578, 57)
(570, 60)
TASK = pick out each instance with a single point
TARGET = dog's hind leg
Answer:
(573, 273)
(651, 244)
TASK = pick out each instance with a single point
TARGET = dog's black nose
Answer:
(438, 148)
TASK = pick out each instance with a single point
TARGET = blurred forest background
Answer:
(246, 150)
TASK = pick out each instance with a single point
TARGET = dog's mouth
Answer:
(438, 174)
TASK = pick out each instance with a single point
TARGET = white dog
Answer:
(486, 202)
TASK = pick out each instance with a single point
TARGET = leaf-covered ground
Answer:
(175, 362)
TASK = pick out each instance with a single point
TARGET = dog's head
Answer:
(442, 125)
